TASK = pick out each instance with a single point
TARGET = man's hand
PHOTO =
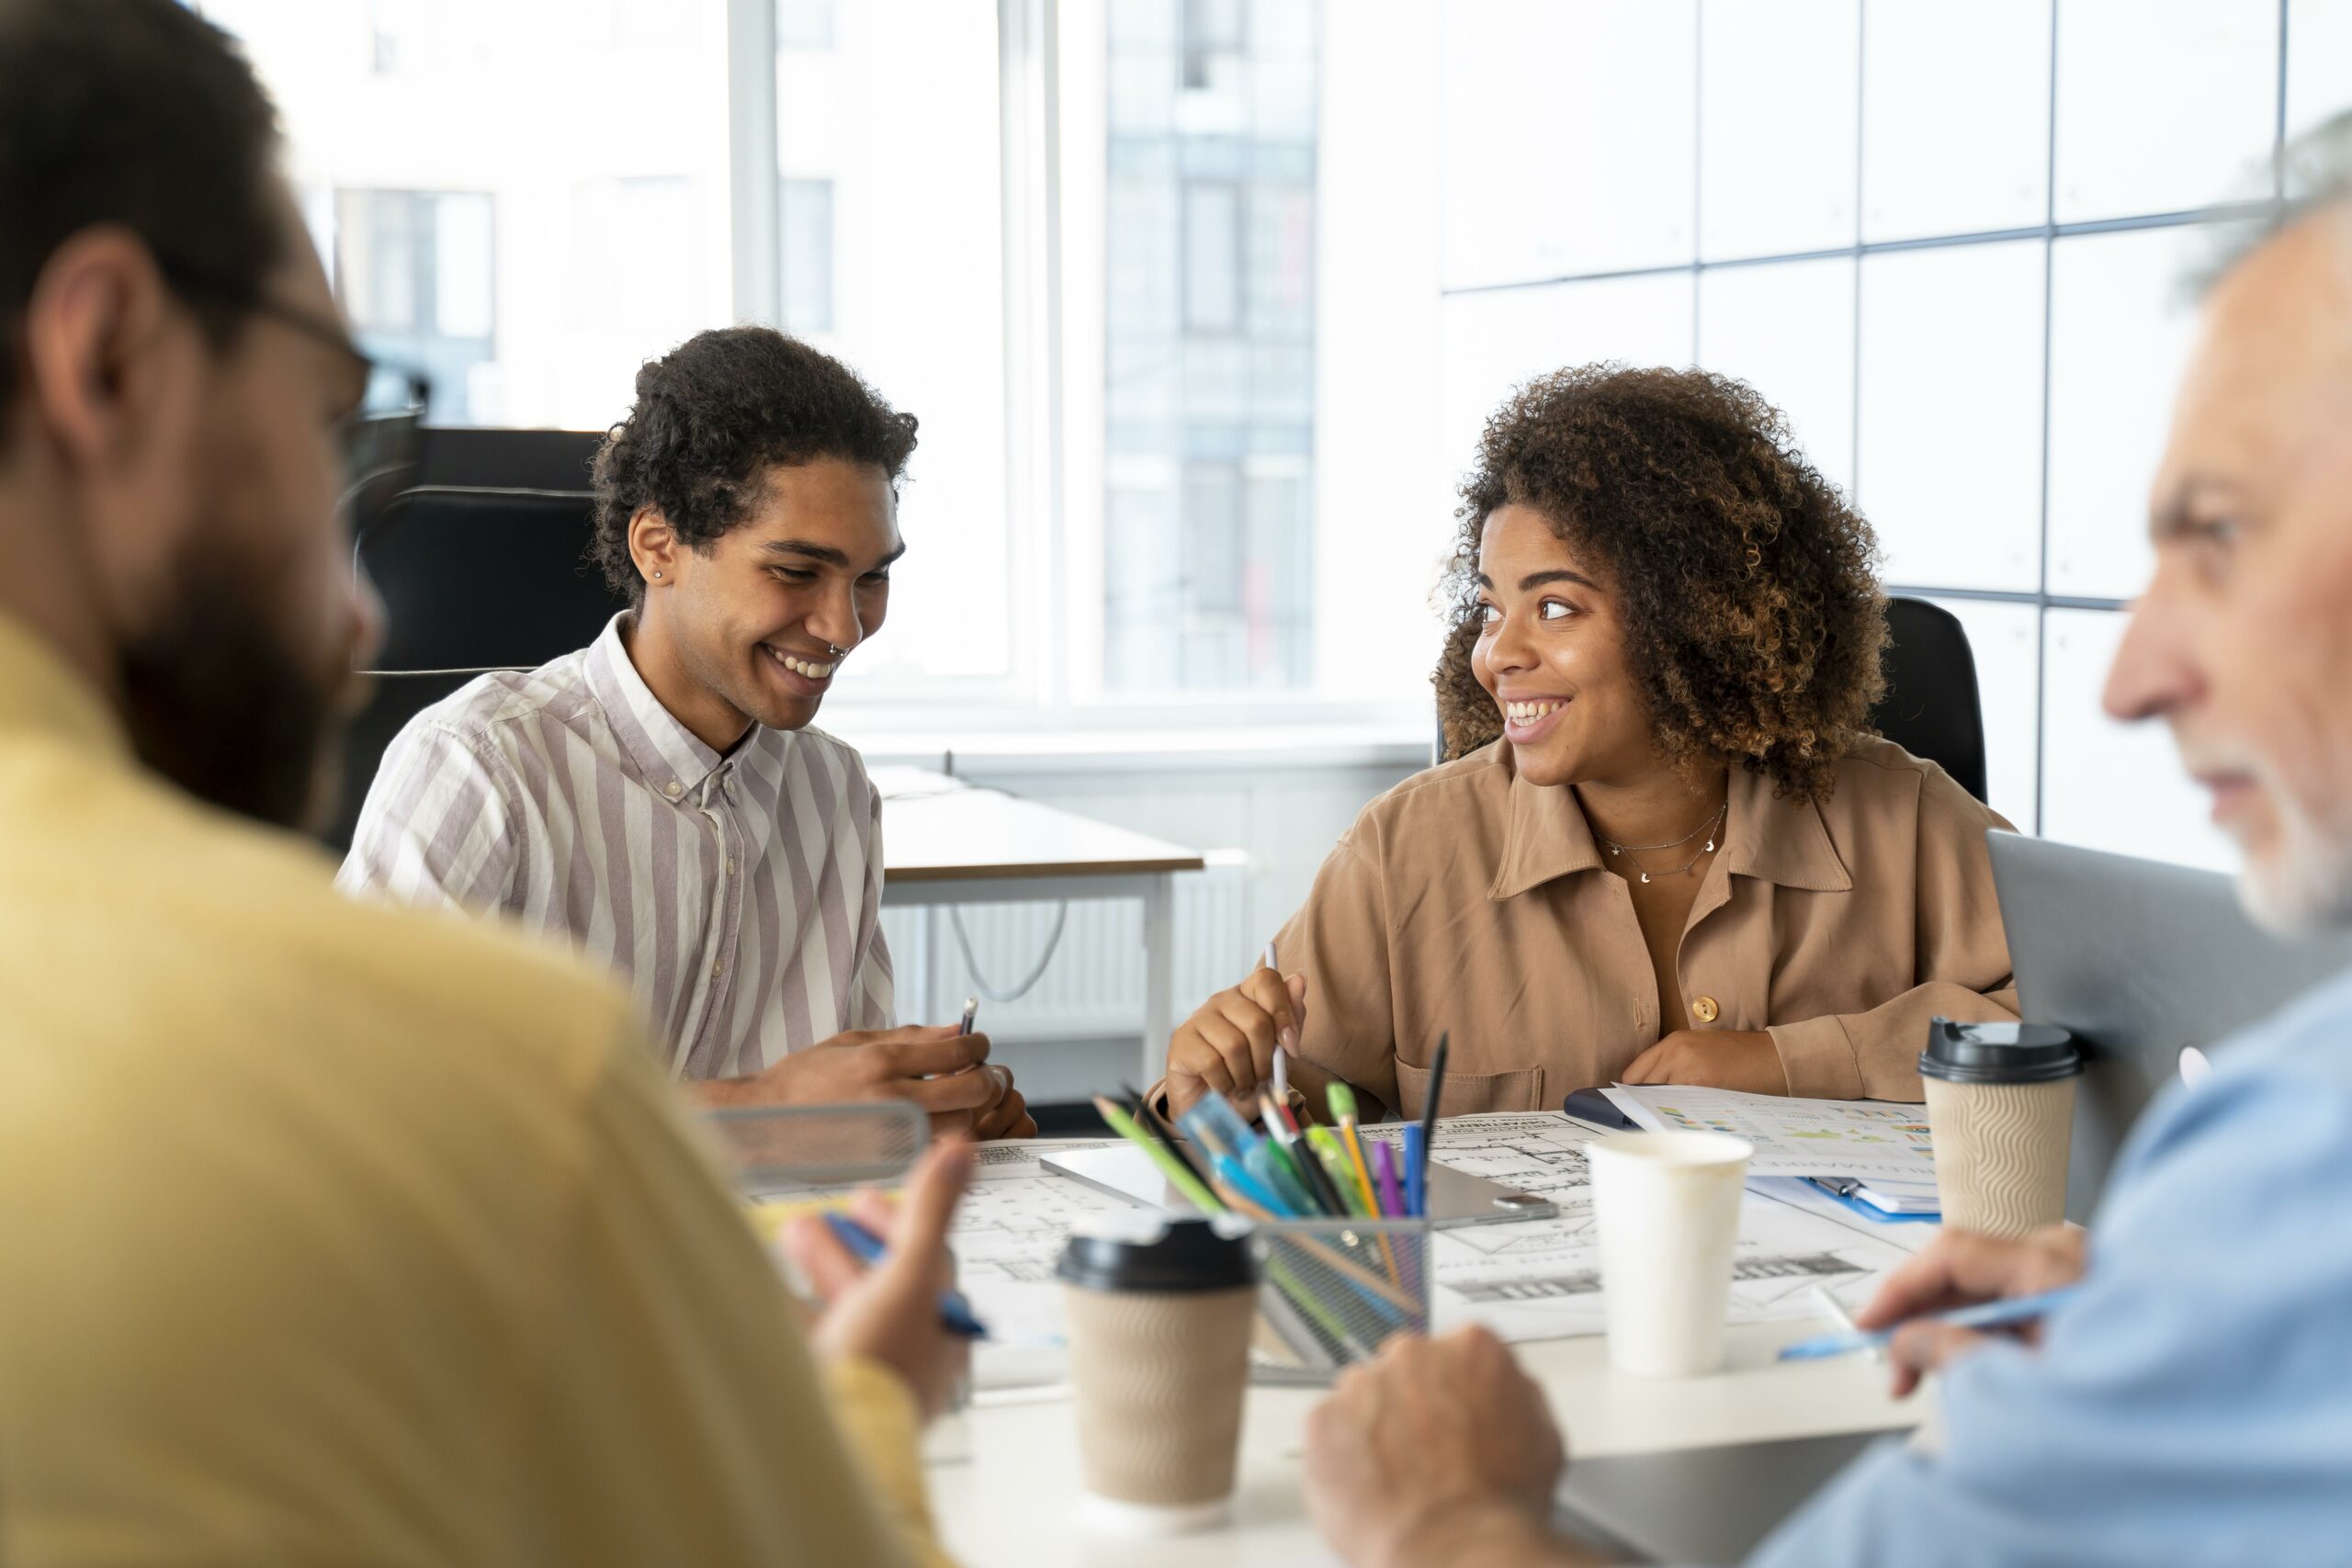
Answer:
(890, 1313)
(1228, 1043)
(1437, 1452)
(1959, 1269)
(1745, 1060)
(1009, 1118)
(935, 1067)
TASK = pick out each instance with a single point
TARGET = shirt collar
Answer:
(40, 692)
(665, 751)
(1781, 841)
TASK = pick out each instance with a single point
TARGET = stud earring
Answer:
(657, 577)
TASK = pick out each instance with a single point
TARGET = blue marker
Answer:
(1230, 1172)
(955, 1312)
(1416, 1168)
(1983, 1314)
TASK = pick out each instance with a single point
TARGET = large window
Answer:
(1946, 237)
(523, 197)
(1094, 248)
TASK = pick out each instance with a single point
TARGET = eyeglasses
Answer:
(383, 438)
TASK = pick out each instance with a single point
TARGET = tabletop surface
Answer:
(938, 830)
(1009, 1497)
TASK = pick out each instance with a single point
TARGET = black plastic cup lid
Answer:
(1998, 1053)
(1159, 1255)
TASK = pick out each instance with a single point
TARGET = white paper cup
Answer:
(1668, 1208)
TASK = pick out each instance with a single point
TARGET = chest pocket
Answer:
(1468, 1094)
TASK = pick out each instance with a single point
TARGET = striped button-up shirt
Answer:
(741, 894)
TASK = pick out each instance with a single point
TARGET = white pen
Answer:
(1281, 1057)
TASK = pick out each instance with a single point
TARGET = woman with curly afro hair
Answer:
(1668, 848)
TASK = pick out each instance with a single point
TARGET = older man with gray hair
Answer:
(2193, 1403)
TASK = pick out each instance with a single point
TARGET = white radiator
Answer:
(1093, 988)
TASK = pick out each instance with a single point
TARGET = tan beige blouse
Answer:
(1468, 900)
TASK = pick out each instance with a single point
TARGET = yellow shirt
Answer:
(330, 1233)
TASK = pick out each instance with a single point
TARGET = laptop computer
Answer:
(2140, 961)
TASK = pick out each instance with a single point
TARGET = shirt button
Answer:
(1704, 1009)
(731, 865)
(673, 789)
(719, 970)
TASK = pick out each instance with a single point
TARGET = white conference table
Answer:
(945, 843)
(1013, 1503)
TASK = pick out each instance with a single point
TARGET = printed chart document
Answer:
(1541, 1279)
(1871, 1140)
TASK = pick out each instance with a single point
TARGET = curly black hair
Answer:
(711, 416)
(1754, 619)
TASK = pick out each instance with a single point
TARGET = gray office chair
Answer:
(1931, 709)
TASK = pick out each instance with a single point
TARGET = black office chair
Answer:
(1930, 707)
(473, 579)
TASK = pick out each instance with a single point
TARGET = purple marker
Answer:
(1392, 1198)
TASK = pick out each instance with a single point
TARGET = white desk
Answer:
(945, 843)
(1013, 1502)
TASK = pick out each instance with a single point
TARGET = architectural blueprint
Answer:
(1531, 1280)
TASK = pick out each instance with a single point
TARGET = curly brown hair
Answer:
(1748, 587)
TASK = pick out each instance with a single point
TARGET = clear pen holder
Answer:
(1331, 1291)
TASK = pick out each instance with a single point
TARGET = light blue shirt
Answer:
(2193, 1403)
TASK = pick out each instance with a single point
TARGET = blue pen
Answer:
(955, 1312)
(1417, 1165)
(1983, 1314)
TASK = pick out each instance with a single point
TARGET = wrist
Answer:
(1475, 1534)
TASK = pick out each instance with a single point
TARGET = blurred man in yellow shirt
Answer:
(327, 1233)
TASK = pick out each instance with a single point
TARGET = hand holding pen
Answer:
(1230, 1043)
(895, 1311)
(1959, 1269)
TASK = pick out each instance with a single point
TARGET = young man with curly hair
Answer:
(1670, 849)
(660, 797)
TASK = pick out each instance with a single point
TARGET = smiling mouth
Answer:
(1525, 713)
(807, 669)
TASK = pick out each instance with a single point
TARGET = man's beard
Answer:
(2303, 885)
(218, 705)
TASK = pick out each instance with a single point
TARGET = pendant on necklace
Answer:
(1646, 876)
(1710, 849)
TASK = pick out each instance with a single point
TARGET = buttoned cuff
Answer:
(1817, 1058)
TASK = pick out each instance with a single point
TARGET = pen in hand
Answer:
(2010, 1313)
(1281, 1057)
(955, 1312)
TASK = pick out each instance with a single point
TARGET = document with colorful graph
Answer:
(1871, 1140)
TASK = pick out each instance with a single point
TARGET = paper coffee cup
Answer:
(1160, 1315)
(2001, 1114)
(1668, 1209)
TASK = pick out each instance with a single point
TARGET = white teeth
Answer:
(1527, 713)
(802, 666)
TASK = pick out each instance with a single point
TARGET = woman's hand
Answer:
(1743, 1059)
(890, 1313)
(1228, 1043)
